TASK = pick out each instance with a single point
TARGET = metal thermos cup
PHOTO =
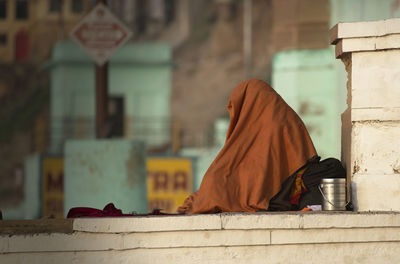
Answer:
(334, 194)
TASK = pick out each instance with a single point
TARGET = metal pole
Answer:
(247, 36)
(101, 95)
(61, 33)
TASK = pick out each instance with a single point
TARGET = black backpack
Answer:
(317, 170)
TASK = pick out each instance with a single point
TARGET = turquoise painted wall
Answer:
(30, 207)
(315, 78)
(362, 10)
(353, 11)
(140, 73)
(33, 189)
(98, 172)
(306, 81)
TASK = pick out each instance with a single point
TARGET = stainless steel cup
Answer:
(334, 194)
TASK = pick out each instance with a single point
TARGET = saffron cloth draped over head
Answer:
(265, 144)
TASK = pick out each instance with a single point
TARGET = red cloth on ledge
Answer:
(108, 211)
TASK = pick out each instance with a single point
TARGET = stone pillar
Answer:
(370, 52)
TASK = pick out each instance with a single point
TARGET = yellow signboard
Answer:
(169, 182)
(53, 187)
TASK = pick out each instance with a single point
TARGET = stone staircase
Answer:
(298, 237)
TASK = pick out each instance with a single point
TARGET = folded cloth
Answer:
(109, 211)
(298, 188)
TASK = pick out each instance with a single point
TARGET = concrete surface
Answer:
(293, 237)
(371, 123)
(364, 29)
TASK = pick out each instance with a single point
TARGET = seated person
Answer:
(266, 144)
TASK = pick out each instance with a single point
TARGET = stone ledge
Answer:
(316, 236)
(36, 226)
(366, 253)
(385, 187)
(375, 157)
(148, 224)
(239, 221)
(366, 44)
(224, 221)
(374, 79)
(81, 241)
(376, 114)
(364, 29)
(301, 237)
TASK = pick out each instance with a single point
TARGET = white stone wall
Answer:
(371, 123)
(222, 238)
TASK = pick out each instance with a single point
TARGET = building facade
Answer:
(29, 29)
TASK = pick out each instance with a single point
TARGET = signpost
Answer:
(100, 33)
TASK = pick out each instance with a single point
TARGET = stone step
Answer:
(300, 237)
(81, 241)
(366, 253)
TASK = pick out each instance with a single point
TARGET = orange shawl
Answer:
(266, 143)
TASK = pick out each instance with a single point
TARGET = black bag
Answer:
(317, 170)
(281, 201)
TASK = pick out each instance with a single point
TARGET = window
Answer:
(21, 10)
(55, 5)
(169, 11)
(116, 116)
(3, 39)
(140, 16)
(76, 6)
(3, 9)
(92, 3)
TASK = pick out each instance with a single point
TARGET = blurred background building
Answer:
(169, 85)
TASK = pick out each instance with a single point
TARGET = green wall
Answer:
(98, 172)
(313, 82)
(140, 73)
(33, 189)
(306, 80)
(362, 10)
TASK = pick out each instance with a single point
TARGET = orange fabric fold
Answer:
(265, 144)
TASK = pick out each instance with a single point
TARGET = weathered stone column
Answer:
(370, 52)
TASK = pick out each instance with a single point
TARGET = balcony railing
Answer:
(155, 131)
